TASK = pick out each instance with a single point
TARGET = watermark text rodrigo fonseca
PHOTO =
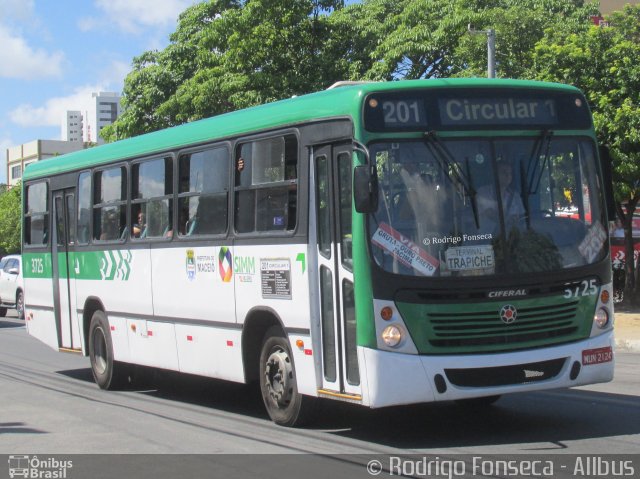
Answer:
(580, 466)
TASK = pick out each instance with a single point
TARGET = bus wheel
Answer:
(3, 312)
(107, 373)
(20, 305)
(285, 405)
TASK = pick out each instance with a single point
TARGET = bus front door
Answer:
(332, 171)
(62, 252)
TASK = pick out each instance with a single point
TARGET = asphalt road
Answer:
(50, 405)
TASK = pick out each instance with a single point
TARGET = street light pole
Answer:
(491, 49)
(491, 53)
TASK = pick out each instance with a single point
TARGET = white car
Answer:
(11, 285)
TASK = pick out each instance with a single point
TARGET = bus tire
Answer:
(20, 304)
(278, 385)
(3, 312)
(107, 373)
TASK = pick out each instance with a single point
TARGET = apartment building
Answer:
(19, 157)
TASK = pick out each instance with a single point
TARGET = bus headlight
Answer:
(391, 335)
(601, 318)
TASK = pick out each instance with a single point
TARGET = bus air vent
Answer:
(505, 375)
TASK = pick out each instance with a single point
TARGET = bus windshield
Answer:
(462, 207)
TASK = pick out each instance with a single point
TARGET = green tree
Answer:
(10, 220)
(226, 55)
(410, 39)
(605, 63)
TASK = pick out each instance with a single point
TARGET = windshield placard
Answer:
(404, 250)
(466, 258)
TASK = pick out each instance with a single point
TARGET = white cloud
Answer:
(21, 61)
(86, 24)
(113, 76)
(51, 113)
(18, 9)
(133, 15)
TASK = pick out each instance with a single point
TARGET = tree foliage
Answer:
(410, 39)
(10, 220)
(231, 54)
(226, 55)
(605, 63)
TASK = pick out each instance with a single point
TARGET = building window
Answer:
(16, 172)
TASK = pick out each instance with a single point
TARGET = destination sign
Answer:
(475, 109)
(497, 111)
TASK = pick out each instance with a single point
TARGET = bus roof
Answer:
(336, 102)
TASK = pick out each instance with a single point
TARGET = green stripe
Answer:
(93, 265)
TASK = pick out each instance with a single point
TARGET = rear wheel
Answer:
(20, 304)
(3, 312)
(278, 385)
(107, 373)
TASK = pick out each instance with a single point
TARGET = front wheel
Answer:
(278, 385)
(107, 373)
(20, 304)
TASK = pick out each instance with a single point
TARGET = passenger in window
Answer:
(139, 228)
(110, 226)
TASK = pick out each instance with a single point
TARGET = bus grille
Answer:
(485, 328)
(505, 375)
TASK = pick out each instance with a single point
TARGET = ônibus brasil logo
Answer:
(508, 314)
(225, 263)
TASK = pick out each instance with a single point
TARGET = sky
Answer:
(55, 53)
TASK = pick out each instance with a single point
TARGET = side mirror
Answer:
(14, 271)
(365, 189)
(607, 176)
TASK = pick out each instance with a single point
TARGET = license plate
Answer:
(597, 356)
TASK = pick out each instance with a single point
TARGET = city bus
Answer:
(383, 243)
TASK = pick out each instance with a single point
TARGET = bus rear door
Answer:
(62, 258)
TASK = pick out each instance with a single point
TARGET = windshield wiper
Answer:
(532, 168)
(453, 171)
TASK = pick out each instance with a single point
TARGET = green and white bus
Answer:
(377, 243)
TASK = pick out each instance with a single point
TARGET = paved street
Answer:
(50, 404)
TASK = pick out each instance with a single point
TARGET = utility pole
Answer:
(491, 49)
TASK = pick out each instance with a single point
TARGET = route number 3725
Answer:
(37, 265)
(585, 288)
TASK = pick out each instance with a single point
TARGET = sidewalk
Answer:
(627, 330)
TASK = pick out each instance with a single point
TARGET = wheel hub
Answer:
(279, 378)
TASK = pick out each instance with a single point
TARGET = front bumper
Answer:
(393, 379)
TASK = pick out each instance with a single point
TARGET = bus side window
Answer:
(266, 185)
(152, 199)
(83, 214)
(203, 192)
(36, 216)
(109, 204)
